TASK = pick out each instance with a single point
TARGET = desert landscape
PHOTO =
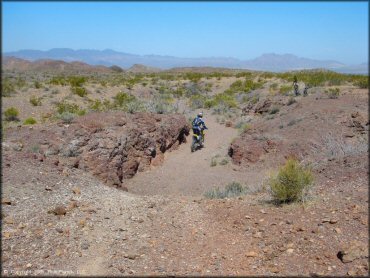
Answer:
(98, 177)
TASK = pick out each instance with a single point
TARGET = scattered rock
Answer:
(131, 256)
(353, 251)
(251, 254)
(76, 191)
(58, 210)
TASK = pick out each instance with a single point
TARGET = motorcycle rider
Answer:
(199, 125)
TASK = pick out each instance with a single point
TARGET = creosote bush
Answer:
(29, 121)
(291, 182)
(11, 114)
(80, 91)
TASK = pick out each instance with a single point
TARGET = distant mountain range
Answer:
(266, 62)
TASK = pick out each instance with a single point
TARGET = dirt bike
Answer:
(198, 141)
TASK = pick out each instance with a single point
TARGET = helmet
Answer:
(200, 114)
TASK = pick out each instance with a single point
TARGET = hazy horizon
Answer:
(335, 31)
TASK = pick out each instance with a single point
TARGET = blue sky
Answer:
(244, 30)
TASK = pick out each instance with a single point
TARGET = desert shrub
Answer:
(77, 81)
(67, 117)
(134, 107)
(362, 83)
(58, 80)
(233, 189)
(291, 182)
(197, 101)
(224, 161)
(332, 93)
(121, 98)
(11, 114)
(70, 108)
(35, 101)
(29, 121)
(274, 110)
(80, 91)
(284, 89)
(245, 86)
(193, 76)
(226, 100)
(7, 87)
(96, 105)
(37, 84)
(160, 106)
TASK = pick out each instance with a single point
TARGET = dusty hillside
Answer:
(62, 216)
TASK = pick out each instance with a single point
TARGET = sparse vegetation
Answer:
(64, 106)
(80, 91)
(36, 101)
(11, 114)
(291, 182)
(67, 117)
(232, 190)
(29, 121)
(332, 93)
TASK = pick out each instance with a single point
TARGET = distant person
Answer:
(198, 124)
(295, 85)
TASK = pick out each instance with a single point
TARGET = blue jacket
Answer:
(198, 123)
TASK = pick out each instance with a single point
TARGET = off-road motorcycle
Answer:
(198, 141)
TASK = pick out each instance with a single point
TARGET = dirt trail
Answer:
(189, 173)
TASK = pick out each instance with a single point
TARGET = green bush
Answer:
(11, 114)
(29, 121)
(7, 87)
(70, 108)
(233, 189)
(35, 101)
(80, 91)
(121, 98)
(291, 182)
(76, 81)
(284, 89)
(362, 83)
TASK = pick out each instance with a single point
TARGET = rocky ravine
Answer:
(112, 146)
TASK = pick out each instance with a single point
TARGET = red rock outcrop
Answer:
(112, 146)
